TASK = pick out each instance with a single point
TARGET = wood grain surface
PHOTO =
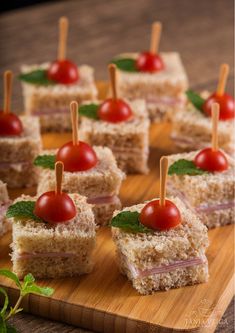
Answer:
(105, 301)
(202, 31)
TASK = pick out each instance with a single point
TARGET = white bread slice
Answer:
(143, 251)
(75, 238)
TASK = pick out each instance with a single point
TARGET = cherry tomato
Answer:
(158, 217)
(211, 160)
(63, 71)
(226, 103)
(10, 124)
(55, 207)
(114, 111)
(149, 62)
(78, 157)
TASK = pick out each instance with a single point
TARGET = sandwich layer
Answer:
(164, 259)
(51, 103)
(57, 250)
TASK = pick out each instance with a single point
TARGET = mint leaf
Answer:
(125, 64)
(129, 221)
(185, 167)
(45, 161)
(38, 76)
(35, 289)
(195, 99)
(11, 275)
(89, 111)
(6, 302)
(23, 209)
(29, 279)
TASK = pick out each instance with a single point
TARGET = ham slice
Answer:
(171, 101)
(209, 208)
(112, 199)
(33, 255)
(137, 273)
(16, 166)
(50, 111)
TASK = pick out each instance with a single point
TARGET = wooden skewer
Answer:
(59, 169)
(163, 177)
(155, 37)
(223, 76)
(215, 110)
(7, 91)
(112, 75)
(63, 33)
(74, 119)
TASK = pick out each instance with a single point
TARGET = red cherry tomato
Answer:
(114, 111)
(158, 217)
(55, 207)
(226, 103)
(78, 157)
(10, 124)
(149, 62)
(210, 160)
(63, 71)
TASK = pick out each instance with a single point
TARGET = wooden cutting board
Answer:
(104, 301)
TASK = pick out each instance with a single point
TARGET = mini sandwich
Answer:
(53, 235)
(49, 88)
(90, 171)
(4, 203)
(160, 79)
(20, 143)
(204, 180)
(191, 126)
(160, 244)
(119, 125)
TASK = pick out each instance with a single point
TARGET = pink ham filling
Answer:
(26, 255)
(137, 273)
(203, 208)
(207, 208)
(50, 111)
(6, 165)
(3, 209)
(171, 101)
(112, 199)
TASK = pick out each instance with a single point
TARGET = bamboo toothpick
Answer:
(112, 76)
(59, 169)
(7, 91)
(74, 120)
(215, 110)
(223, 76)
(163, 177)
(63, 33)
(155, 37)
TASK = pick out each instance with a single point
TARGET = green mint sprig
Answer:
(185, 167)
(89, 111)
(38, 76)
(23, 209)
(28, 286)
(125, 64)
(129, 221)
(195, 99)
(45, 161)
